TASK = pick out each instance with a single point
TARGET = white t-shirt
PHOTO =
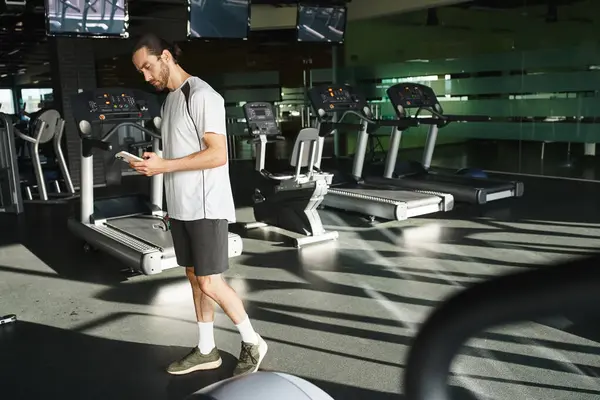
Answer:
(199, 194)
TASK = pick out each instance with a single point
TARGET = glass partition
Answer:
(33, 97)
(533, 68)
(7, 101)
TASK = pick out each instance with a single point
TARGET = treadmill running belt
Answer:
(141, 229)
(412, 199)
(479, 183)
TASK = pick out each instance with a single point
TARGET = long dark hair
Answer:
(156, 45)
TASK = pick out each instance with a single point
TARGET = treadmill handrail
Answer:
(276, 177)
(268, 139)
(507, 299)
(115, 128)
(328, 127)
(397, 123)
(438, 118)
(99, 144)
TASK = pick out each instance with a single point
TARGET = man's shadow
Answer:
(45, 362)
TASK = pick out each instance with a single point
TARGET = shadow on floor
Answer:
(45, 362)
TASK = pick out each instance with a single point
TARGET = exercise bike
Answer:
(288, 200)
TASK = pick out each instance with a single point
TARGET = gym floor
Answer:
(341, 315)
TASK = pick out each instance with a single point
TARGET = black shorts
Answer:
(202, 244)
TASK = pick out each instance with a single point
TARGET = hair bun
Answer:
(177, 51)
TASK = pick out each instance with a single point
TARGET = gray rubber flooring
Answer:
(341, 315)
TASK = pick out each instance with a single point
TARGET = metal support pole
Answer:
(334, 80)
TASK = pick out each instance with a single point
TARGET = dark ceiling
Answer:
(24, 45)
(23, 40)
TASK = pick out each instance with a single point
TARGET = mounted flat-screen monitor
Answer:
(219, 19)
(87, 18)
(321, 23)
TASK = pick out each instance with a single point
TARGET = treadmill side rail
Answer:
(346, 200)
(134, 253)
(447, 203)
(235, 245)
(130, 251)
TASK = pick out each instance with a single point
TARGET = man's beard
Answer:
(163, 78)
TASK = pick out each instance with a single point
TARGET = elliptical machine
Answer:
(288, 200)
(48, 126)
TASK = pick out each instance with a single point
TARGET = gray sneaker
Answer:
(196, 361)
(251, 356)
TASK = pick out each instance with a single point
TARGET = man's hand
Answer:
(152, 165)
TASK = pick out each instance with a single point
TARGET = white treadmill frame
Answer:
(383, 201)
(139, 255)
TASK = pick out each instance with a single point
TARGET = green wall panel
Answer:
(251, 78)
(513, 84)
(413, 138)
(559, 132)
(575, 107)
(529, 131)
(576, 57)
(234, 112)
(245, 95)
(543, 83)
(471, 33)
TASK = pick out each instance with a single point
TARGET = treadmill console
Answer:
(261, 118)
(412, 95)
(114, 105)
(333, 98)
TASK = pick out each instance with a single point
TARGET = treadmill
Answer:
(406, 96)
(130, 228)
(358, 194)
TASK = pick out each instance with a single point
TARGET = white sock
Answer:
(207, 337)
(247, 332)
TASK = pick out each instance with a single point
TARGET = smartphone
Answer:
(127, 157)
(7, 319)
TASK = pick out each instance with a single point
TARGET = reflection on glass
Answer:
(89, 17)
(321, 24)
(7, 103)
(35, 99)
(223, 19)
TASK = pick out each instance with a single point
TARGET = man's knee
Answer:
(210, 284)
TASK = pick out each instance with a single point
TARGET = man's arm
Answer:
(207, 109)
(213, 156)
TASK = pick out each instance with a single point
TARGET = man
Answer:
(199, 200)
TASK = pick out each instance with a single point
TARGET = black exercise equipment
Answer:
(545, 292)
(371, 196)
(289, 200)
(11, 200)
(464, 187)
(47, 127)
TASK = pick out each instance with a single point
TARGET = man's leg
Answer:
(211, 259)
(205, 355)
(205, 314)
